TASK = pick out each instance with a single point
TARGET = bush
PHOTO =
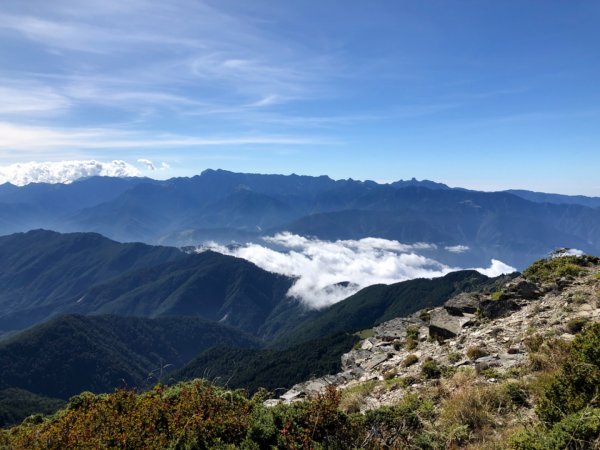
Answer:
(412, 332)
(499, 295)
(474, 407)
(476, 352)
(425, 316)
(410, 360)
(576, 324)
(578, 383)
(551, 269)
(578, 431)
(454, 357)
(411, 343)
(353, 398)
(401, 425)
(430, 369)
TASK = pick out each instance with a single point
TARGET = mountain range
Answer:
(515, 226)
(112, 298)
(83, 312)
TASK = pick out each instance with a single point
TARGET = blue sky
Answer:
(480, 94)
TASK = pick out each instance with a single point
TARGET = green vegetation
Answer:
(476, 352)
(576, 324)
(551, 269)
(577, 385)
(498, 295)
(99, 353)
(40, 270)
(431, 369)
(460, 411)
(410, 360)
(207, 285)
(253, 369)
(378, 303)
(17, 404)
(365, 334)
(567, 393)
(454, 357)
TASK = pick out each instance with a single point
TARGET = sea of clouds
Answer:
(320, 266)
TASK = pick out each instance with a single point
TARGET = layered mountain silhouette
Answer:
(101, 314)
(515, 226)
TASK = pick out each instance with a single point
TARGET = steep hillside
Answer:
(547, 399)
(252, 369)
(208, 285)
(42, 270)
(71, 354)
(17, 404)
(515, 368)
(379, 303)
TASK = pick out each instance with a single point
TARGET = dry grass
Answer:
(353, 398)
(475, 352)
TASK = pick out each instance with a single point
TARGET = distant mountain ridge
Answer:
(224, 206)
(542, 197)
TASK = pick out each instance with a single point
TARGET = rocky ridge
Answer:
(487, 332)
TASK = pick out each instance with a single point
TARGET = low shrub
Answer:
(551, 269)
(411, 343)
(578, 431)
(475, 352)
(474, 408)
(576, 324)
(499, 295)
(577, 385)
(454, 357)
(430, 369)
(410, 360)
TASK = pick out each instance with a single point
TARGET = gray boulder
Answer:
(444, 325)
(524, 289)
(462, 303)
(493, 309)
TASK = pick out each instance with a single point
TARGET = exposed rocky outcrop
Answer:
(486, 331)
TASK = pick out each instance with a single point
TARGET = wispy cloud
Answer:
(27, 138)
(20, 98)
(121, 74)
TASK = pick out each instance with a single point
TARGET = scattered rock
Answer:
(455, 328)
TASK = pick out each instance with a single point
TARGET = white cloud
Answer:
(497, 268)
(147, 163)
(320, 266)
(30, 139)
(26, 98)
(63, 171)
(457, 248)
(150, 165)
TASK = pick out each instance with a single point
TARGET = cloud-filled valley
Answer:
(329, 271)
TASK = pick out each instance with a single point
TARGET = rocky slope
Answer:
(494, 334)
